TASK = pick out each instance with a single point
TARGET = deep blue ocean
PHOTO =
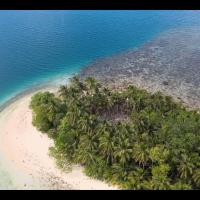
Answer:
(37, 46)
(40, 46)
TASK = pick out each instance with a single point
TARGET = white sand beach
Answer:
(24, 151)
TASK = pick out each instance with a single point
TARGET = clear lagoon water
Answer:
(40, 46)
(36, 46)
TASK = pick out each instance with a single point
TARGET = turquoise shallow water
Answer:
(37, 46)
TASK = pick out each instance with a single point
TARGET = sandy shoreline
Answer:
(24, 151)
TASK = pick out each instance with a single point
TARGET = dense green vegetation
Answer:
(130, 138)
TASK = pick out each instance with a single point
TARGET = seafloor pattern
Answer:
(169, 63)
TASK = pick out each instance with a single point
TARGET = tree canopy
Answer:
(131, 138)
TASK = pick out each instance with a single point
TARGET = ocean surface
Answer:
(37, 46)
(41, 46)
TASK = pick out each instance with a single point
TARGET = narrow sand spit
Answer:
(24, 151)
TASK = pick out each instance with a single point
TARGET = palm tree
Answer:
(89, 142)
(63, 90)
(92, 85)
(106, 145)
(179, 185)
(122, 154)
(76, 83)
(73, 114)
(159, 179)
(83, 123)
(119, 173)
(135, 178)
(185, 167)
(196, 177)
(84, 156)
(123, 148)
(140, 154)
(87, 146)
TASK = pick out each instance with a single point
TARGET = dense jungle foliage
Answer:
(130, 138)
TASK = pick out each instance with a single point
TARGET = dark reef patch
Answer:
(169, 63)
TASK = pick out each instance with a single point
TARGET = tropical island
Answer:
(127, 121)
(129, 137)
